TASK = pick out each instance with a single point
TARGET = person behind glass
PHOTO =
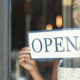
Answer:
(31, 66)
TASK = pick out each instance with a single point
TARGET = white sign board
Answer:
(54, 44)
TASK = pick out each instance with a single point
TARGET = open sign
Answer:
(54, 44)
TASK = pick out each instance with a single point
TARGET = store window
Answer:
(35, 15)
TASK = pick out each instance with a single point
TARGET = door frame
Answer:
(5, 39)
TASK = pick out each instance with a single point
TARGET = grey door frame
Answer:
(5, 39)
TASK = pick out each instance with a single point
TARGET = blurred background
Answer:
(31, 15)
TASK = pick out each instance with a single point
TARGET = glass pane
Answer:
(33, 15)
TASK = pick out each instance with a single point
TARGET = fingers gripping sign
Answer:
(24, 59)
(28, 64)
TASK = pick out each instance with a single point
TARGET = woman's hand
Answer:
(24, 59)
(28, 64)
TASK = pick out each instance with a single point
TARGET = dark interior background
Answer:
(42, 12)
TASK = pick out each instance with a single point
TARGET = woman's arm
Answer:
(28, 64)
(54, 73)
